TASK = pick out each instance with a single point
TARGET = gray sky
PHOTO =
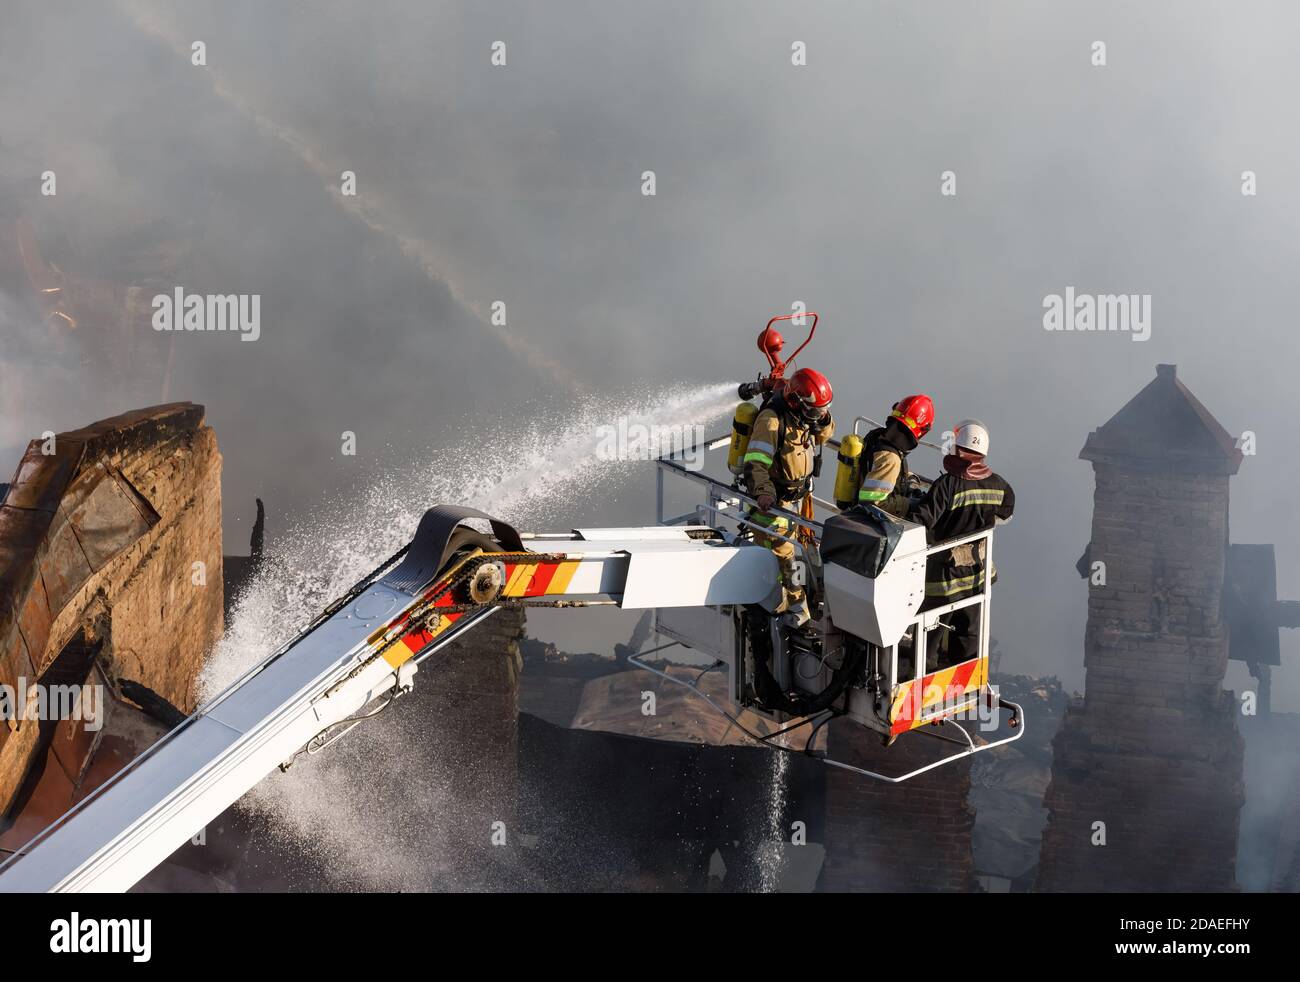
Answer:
(774, 184)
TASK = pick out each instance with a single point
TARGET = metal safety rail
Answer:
(674, 463)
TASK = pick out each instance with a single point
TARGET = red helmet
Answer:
(916, 413)
(809, 393)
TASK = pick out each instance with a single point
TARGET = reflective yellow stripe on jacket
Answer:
(776, 522)
(977, 496)
(879, 482)
(947, 588)
(873, 491)
(760, 451)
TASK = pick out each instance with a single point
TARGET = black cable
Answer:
(717, 663)
(359, 718)
(812, 735)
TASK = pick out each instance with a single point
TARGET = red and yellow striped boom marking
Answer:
(526, 575)
(538, 579)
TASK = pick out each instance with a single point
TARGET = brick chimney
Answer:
(1146, 784)
(910, 837)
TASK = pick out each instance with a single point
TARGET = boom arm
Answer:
(367, 646)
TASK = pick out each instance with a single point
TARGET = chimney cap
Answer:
(1166, 371)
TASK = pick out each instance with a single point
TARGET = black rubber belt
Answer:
(428, 551)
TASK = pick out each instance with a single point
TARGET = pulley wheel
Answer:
(486, 583)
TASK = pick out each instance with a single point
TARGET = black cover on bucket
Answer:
(861, 540)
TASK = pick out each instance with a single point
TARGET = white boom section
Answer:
(139, 817)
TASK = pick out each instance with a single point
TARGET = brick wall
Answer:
(471, 705)
(98, 545)
(882, 837)
(1168, 790)
(1156, 636)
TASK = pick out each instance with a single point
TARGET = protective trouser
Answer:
(783, 549)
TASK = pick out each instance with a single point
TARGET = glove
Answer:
(765, 502)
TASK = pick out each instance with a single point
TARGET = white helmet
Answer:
(972, 435)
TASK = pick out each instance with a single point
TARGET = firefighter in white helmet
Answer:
(967, 498)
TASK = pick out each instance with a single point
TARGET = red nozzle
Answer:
(770, 342)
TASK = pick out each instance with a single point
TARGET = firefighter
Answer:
(779, 464)
(885, 475)
(967, 498)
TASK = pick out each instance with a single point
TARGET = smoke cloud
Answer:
(774, 184)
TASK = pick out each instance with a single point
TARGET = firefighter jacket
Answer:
(782, 452)
(967, 498)
(884, 468)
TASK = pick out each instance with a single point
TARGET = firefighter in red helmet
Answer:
(779, 466)
(884, 475)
